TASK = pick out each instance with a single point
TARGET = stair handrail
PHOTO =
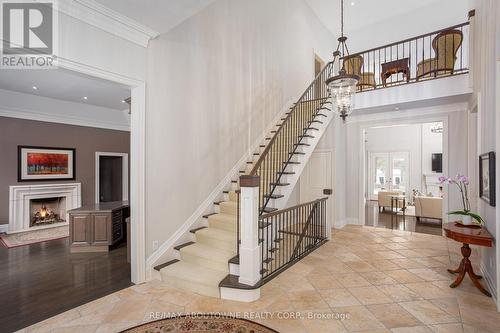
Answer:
(278, 153)
(255, 168)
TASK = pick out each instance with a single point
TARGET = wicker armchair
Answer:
(354, 65)
(445, 45)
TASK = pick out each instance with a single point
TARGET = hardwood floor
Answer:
(384, 220)
(41, 280)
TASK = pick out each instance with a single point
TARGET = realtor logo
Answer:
(28, 34)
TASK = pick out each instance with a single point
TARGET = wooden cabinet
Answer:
(80, 229)
(96, 227)
(100, 229)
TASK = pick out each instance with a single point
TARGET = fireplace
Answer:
(47, 211)
(41, 206)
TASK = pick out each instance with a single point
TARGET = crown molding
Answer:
(408, 113)
(104, 18)
(19, 113)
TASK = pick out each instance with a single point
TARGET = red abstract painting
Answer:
(47, 164)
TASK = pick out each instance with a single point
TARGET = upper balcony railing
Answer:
(434, 55)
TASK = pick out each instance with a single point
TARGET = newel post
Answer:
(249, 230)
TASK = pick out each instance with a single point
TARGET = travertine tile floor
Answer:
(364, 280)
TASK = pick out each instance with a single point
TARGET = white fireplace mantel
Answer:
(19, 202)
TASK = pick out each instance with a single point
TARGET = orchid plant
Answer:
(462, 182)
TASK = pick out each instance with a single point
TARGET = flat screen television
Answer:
(437, 162)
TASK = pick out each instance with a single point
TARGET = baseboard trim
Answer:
(353, 220)
(340, 224)
(491, 286)
(183, 232)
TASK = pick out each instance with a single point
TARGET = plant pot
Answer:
(466, 219)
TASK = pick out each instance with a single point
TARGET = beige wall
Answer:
(214, 84)
(86, 140)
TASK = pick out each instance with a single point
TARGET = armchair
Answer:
(445, 45)
(354, 65)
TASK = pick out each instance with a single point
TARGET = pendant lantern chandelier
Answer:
(342, 86)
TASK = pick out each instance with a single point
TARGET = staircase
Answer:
(212, 255)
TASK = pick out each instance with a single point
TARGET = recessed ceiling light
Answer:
(85, 98)
(35, 88)
(352, 3)
(396, 108)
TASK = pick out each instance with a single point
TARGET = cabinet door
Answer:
(80, 229)
(100, 229)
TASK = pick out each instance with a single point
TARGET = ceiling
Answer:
(163, 15)
(362, 13)
(159, 15)
(65, 85)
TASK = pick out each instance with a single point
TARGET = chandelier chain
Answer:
(342, 18)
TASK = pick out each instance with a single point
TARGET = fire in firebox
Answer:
(45, 215)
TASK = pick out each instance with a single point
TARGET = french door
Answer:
(388, 171)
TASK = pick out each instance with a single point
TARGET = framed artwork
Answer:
(45, 163)
(487, 178)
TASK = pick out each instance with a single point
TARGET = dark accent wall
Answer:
(86, 140)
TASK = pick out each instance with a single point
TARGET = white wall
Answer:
(334, 139)
(86, 44)
(486, 79)
(438, 15)
(214, 84)
(431, 143)
(422, 92)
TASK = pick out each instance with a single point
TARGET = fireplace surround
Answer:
(25, 200)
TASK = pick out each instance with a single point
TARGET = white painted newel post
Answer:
(249, 230)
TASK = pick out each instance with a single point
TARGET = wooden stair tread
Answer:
(280, 184)
(235, 260)
(269, 209)
(274, 196)
(178, 247)
(159, 267)
(232, 281)
(193, 231)
(206, 216)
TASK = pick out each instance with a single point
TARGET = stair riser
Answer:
(210, 291)
(216, 243)
(213, 223)
(217, 265)
(232, 196)
(228, 209)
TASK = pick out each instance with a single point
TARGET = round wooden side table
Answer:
(475, 235)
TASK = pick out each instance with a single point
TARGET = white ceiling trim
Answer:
(388, 116)
(66, 120)
(99, 16)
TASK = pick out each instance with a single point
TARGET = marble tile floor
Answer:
(365, 280)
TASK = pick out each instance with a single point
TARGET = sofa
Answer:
(428, 207)
(384, 198)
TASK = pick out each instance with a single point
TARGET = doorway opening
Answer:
(318, 66)
(403, 163)
(112, 177)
